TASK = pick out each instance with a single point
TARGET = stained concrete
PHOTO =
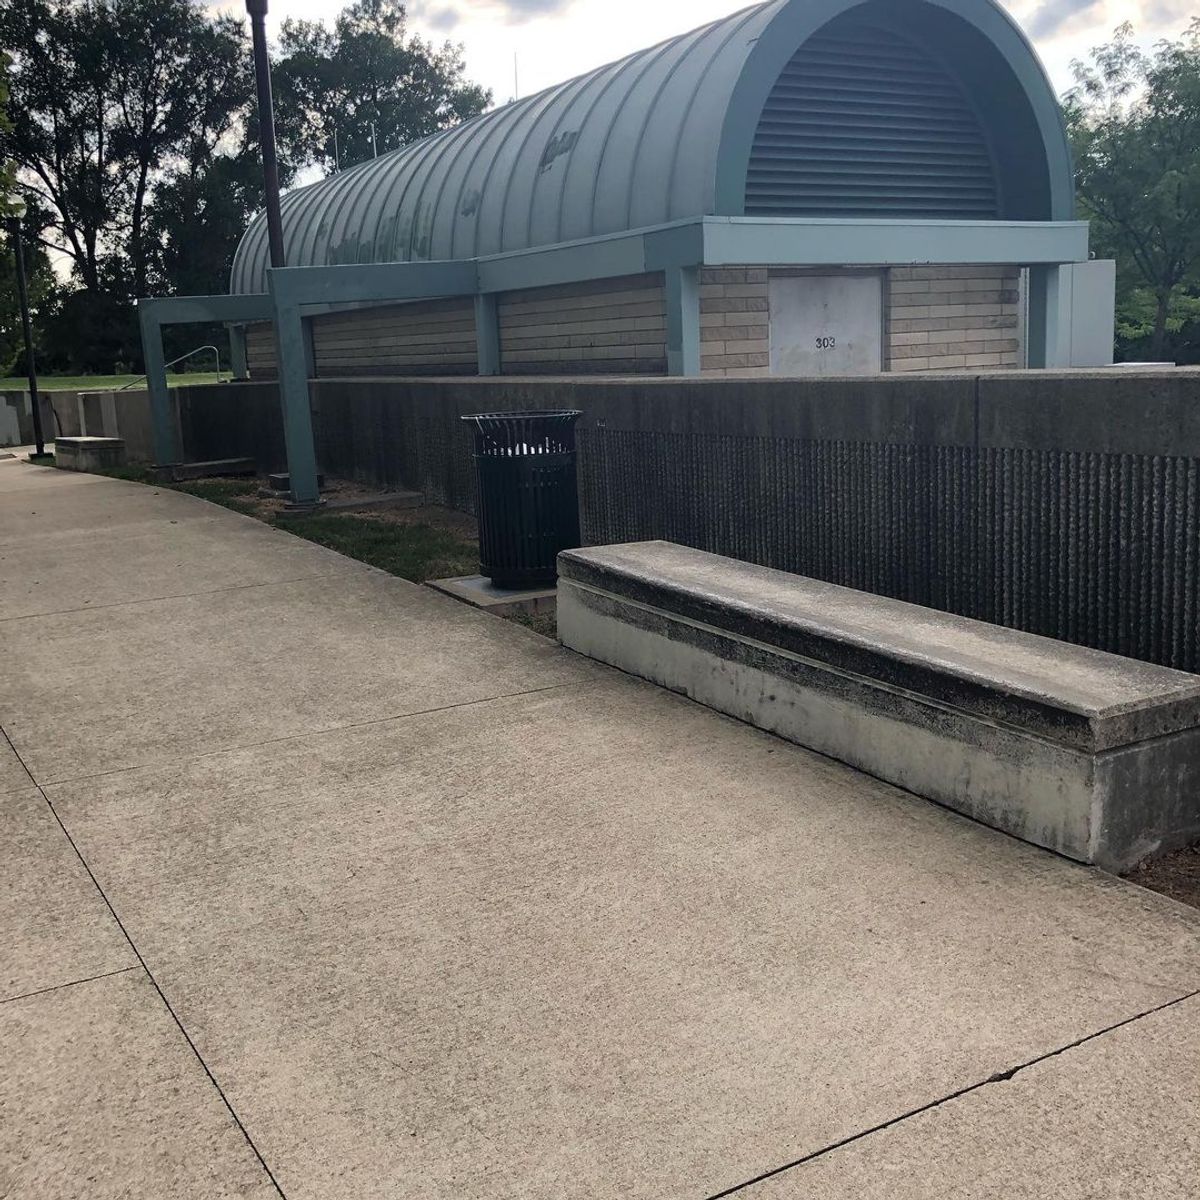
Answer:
(1108, 1120)
(599, 942)
(593, 940)
(54, 925)
(101, 1098)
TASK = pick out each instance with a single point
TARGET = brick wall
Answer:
(260, 350)
(952, 318)
(734, 322)
(434, 337)
(608, 326)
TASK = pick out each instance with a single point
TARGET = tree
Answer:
(1134, 120)
(105, 96)
(333, 86)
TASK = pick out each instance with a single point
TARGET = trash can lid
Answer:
(525, 418)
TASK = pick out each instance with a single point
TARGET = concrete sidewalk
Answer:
(317, 883)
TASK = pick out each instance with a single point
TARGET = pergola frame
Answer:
(679, 250)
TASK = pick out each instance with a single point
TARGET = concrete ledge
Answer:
(1090, 754)
(89, 453)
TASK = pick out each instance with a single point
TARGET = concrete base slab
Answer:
(181, 472)
(1111, 1119)
(282, 482)
(597, 942)
(384, 500)
(89, 453)
(100, 1097)
(480, 592)
(54, 926)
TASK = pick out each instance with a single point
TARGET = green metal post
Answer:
(487, 333)
(683, 320)
(293, 396)
(237, 352)
(1049, 333)
(165, 449)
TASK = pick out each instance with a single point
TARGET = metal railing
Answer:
(195, 350)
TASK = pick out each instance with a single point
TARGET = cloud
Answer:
(447, 16)
(444, 20)
(1051, 16)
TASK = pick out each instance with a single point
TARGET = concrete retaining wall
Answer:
(1066, 504)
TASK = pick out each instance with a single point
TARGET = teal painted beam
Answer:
(683, 320)
(189, 310)
(161, 417)
(355, 283)
(769, 241)
(1048, 337)
(294, 398)
(487, 333)
(238, 360)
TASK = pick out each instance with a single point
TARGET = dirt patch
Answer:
(1176, 875)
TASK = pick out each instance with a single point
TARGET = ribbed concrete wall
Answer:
(1067, 505)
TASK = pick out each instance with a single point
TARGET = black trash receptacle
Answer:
(528, 496)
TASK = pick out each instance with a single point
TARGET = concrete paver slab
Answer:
(100, 1097)
(134, 684)
(67, 549)
(1112, 1119)
(13, 776)
(598, 942)
(54, 926)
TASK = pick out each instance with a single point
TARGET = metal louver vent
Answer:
(864, 122)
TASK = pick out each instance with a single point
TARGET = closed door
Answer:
(827, 325)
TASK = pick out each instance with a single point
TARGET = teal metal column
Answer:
(487, 333)
(163, 420)
(1049, 334)
(683, 320)
(237, 352)
(310, 349)
(293, 396)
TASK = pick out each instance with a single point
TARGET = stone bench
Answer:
(1086, 753)
(89, 453)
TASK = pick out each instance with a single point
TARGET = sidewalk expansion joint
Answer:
(155, 984)
(70, 983)
(233, 587)
(997, 1078)
(304, 733)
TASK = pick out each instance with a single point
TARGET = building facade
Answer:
(882, 186)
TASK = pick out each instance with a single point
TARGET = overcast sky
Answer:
(554, 40)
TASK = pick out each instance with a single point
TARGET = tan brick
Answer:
(748, 346)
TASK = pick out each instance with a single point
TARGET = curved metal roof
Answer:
(661, 135)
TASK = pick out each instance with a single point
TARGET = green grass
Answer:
(416, 552)
(100, 383)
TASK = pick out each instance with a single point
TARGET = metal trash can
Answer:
(528, 495)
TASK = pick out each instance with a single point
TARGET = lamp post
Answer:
(266, 126)
(26, 327)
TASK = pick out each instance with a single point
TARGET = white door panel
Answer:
(826, 325)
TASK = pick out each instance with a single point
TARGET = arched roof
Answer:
(665, 134)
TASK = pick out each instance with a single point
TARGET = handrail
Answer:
(194, 350)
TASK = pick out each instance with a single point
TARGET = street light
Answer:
(266, 126)
(18, 211)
